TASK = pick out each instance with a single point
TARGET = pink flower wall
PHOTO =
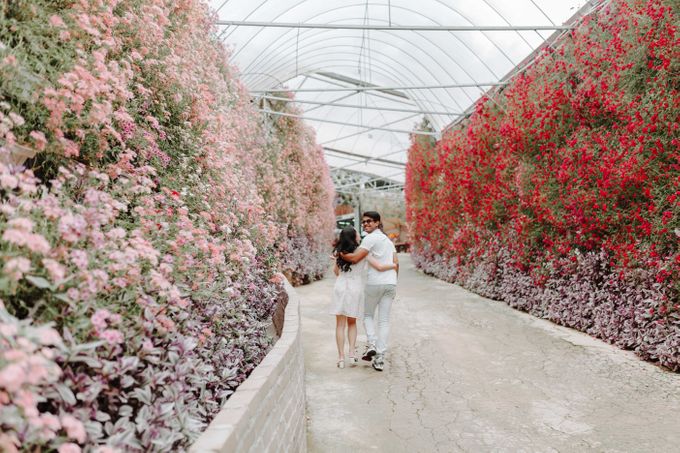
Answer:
(561, 196)
(298, 194)
(141, 244)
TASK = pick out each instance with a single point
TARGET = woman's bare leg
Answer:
(340, 323)
(352, 335)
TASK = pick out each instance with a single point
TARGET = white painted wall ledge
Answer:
(267, 411)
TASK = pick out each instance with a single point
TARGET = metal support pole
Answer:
(367, 160)
(360, 158)
(391, 97)
(359, 133)
(342, 123)
(379, 178)
(359, 106)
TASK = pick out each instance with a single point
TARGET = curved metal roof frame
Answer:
(335, 10)
(351, 117)
(351, 46)
(313, 34)
(400, 78)
(431, 57)
(421, 34)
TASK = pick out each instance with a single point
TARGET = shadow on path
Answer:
(469, 374)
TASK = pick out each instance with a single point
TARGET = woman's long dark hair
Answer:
(347, 243)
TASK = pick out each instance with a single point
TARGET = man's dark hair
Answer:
(372, 215)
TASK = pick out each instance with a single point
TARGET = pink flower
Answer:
(15, 268)
(7, 209)
(16, 237)
(18, 120)
(39, 139)
(57, 271)
(48, 336)
(8, 181)
(12, 377)
(48, 353)
(116, 233)
(115, 318)
(14, 355)
(35, 242)
(21, 223)
(8, 330)
(147, 345)
(56, 21)
(38, 244)
(111, 336)
(69, 448)
(74, 428)
(73, 294)
(71, 148)
(50, 421)
(120, 282)
(99, 318)
(100, 113)
(9, 443)
(72, 227)
(158, 280)
(41, 370)
(79, 258)
(27, 401)
(165, 322)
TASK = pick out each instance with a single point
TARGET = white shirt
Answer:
(382, 249)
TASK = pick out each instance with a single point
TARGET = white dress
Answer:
(348, 292)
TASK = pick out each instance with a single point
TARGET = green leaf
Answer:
(63, 297)
(5, 284)
(39, 282)
(66, 394)
(88, 346)
(92, 362)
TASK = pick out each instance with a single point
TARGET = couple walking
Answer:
(367, 279)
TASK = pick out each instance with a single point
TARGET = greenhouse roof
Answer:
(365, 73)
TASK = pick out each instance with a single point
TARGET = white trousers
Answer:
(380, 297)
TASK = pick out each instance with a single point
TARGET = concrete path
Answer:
(473, 375)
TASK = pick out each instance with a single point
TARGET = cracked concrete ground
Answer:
(470, 374)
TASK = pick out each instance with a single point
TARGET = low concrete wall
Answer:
(267, 411)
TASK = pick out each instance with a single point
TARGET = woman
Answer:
(348, 293)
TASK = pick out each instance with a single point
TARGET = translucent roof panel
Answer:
(434, 59)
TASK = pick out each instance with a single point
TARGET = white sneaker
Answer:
(369, 353)
(379, 362)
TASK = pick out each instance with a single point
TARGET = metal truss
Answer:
(454, 28)
(343, 123)
(358, 106)
(379, 88)
(355, 182)
(359, 158)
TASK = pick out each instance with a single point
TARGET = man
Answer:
(380, 286)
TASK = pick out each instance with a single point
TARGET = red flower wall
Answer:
(561, 195)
